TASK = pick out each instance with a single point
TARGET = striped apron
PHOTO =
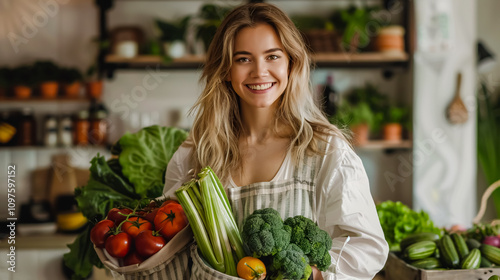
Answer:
(290, 197)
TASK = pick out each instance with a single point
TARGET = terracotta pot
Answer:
(49, 89)
(22, 92)
(390, 39)
(94, 89)
(393, 132)
(72, 90)
(361, 133)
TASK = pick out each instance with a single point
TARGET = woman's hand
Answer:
(316, 273)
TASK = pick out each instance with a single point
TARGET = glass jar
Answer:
(27, 128)
(50, 131)
(98, 128)
(82, 126)
(65, 131)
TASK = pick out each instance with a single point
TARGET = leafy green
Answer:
(398, 221)
(144, 157)
(145, 153)
(488, 131)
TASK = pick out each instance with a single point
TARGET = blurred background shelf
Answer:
(386, 145)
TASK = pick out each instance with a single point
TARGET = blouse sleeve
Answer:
(177, 171)
(348, 214)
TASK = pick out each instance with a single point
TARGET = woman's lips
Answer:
(260, 87)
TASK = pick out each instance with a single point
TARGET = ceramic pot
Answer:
(393, 132)
(390, 40)
(94, 89)
(22, 92)
(361, 133)
(175, 49)
(72, 90)
(49, 89)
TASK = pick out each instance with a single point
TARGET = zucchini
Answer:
(472, 243)
(460, 245)
(492, 253)
(485, 262)
(417, 237)
(427, 263)
(449, 254)
(494, 277)
(420, 250)
(436, 252)
(472, 260)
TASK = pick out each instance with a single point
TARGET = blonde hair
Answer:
(217, 125)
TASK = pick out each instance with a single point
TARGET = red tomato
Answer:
(151, 215)
(168, 201)
(148, 243)
(132, 258)
(100, 232)
(170, 219)
(115, 216)
(135, 225)
(119, 245)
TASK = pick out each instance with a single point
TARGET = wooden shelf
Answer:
(386, 145)
(372, 59)
(41, 241)
(40, 99)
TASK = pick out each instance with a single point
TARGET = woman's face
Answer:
(259, 73)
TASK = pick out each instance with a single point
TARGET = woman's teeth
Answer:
(261, 86)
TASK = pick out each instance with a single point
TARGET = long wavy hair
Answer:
(218, 126)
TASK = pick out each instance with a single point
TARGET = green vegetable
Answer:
(448, 252)
(492, 253)
(264, 233)
(398, 221)
(209, 213)
(472, 243)
(313, 241)
(460, 245)
(427, 263)
(290, 263)
(472, 260)
(420, 250)
(144, 157)
(417, 237)
(115, 183)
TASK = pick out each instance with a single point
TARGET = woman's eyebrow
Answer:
(248, 53)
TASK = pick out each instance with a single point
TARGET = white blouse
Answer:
(344, 207)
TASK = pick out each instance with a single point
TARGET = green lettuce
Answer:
(134, 178)
(398, 221)
(145, 154)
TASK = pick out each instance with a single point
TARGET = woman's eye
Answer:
(273, 57)
(242, 59)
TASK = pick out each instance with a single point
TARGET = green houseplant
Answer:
(488, 140)
(71, 79)
(172, 36)
(359, 118)
(395, 117)
(47, 75)
(210, 17)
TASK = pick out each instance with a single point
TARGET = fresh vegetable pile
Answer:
(398, 221)
(135, 172)
(287, 248)
(132, 236)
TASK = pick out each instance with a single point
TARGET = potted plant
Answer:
(393, 123)
(318, 33)
(72, 81)
(47, 74)
(210, 18)
(94, 84)
(4, 80)
(172, 36)
(23, 81)
(358, 118)
(354, 23)
(376, 100)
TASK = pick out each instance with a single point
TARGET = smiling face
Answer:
(259, 73)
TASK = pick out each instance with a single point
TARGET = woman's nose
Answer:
(259, 69)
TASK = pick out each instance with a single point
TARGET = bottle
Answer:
(65, 131)
(50, 131)
(82, 125)
(330, 97)
(98, 125)
(27, 128)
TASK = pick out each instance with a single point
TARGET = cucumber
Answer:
(492, 253)
(427, 263)
(436, 252)
(420, 250)
(485, 262)
(460, 245)
(417, 237)
(472, 260)
(472, 243)
(494, 277)
(449, 254)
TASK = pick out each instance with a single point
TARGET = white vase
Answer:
(175, 49)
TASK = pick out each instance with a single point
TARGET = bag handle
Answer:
(484, 201)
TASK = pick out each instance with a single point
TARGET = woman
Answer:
(258, 128)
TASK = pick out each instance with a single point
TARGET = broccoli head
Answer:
(314, 242)
(290, 263)
(264, 233)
